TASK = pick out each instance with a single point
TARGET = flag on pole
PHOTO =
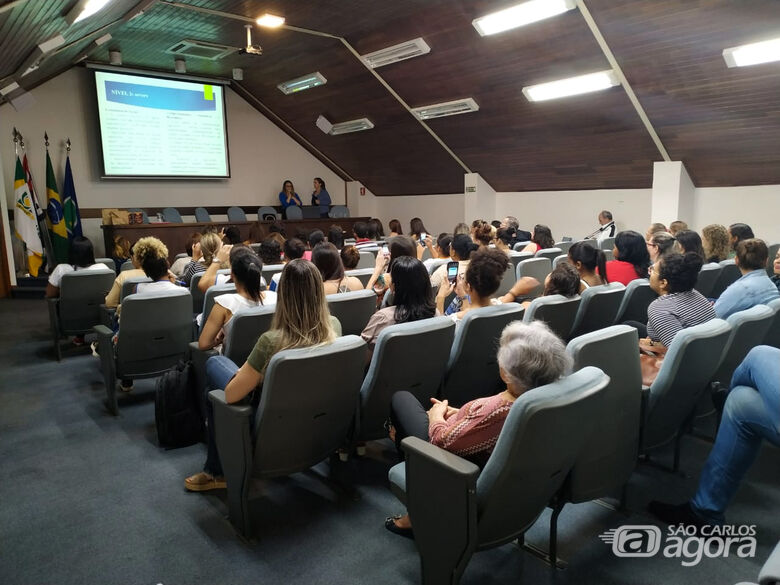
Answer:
(40, 214)
(25, 222)
(58, 232)
(72, 213)
(40, 206)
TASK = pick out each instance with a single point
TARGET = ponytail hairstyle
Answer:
(664, 241)
(592, 259)
(463, 246)
(209, 246)
(483, 232)
(247, 270)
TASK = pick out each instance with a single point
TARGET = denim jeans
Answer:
(219, 371)
(751, 414)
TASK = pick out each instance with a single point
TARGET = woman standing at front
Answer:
(321, 197)
(288, 197)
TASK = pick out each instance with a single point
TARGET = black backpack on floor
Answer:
(176, 408)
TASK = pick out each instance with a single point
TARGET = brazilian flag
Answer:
(59, 235)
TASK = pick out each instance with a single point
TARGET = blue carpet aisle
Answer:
(90, 499)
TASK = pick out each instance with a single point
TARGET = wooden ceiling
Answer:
(724, 124)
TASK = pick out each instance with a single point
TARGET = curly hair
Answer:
(680, 271)
(564, 280)
(716, 243)
(149, 247)
(485, 271)
(483, 232)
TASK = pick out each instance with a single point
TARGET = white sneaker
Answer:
(94, 346)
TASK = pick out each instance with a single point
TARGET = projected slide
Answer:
(154, 127)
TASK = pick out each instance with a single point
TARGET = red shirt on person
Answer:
(619, 271)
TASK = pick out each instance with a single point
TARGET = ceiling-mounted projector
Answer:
(250, 49)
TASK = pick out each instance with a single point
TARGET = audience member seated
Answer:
(511, 222)
(155, 265)
(737, 233)
(776, 268)
(541, 238)
(750, 416)
(607, 227)
(288, 197)
(81, 257)
(715, 241)
(504, 240)
(120, 252)
(360, 231)
(412, 299)
(328, 261)
(460, 252)
(529, 356)
(632, 259)
(678, 305)
(395, 228)
(660, 244)
(138, 251)
(590, 263)
(417, 229)
(677, 226)
(754, 287)
(563, 280)
(350, 257)
(314, 238)
(440, 250)
(203, 254)
(397, 246)
(301, 319)
(231, 236)
(294, 248)
(336, 236)
(654, 228)
(689, 241)
(270, 251)
(461, 228)
(246, 273)
(181, 263)
(224, 257)
(376, 229)
(482, 233)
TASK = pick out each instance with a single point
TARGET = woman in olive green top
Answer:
(301, 319)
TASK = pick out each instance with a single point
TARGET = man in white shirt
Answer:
(606, 229)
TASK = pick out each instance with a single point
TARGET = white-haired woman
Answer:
(530, 355)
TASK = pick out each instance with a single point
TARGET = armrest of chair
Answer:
(107, 315)
(441, 496)
(54, 321)
(107, 364)
(643, 413)
(770, 572)
(198, 357)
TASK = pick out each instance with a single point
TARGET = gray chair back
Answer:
(211, 294)
(607, 244)
(636, 299)
(299, 423)
(770, 268)
(269, 270)
(558, 311)
(426, 255)
(139, 210)
(564, 246)
(262, 212)
(108, 262)
(367, 260)
(126, 265)
(748, 329)
(353, 309)
(350, 241)
(293, 212)
(517, 257)
(243, 331)
(549, 253)
(362, 274)
(507, 281)
(154, 333)
(236, 214)
(690, 364)
(538, 268)
(396, 365)
(172, 215)
(81, 294)
(609, 255)
(339, 211)
(519, 246)
(606, 461)
(181, 255)
(196, 293)
(128, 286)
(435, 263)
(472, 369)
(708, 276)
(598, 308)
(538, 445)
(202, 215)
(558, 259)
(773, 335)
(728, 275)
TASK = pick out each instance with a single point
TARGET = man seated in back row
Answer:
(754, 287)
(607, 229)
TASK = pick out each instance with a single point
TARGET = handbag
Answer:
(651, 358)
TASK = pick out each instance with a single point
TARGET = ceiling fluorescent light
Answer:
(520, 15)
(49, 45)
(102, 40)
(351, 126)
(753, 54)
(571, 86)
(84, 9)
(396, 53)
(302, 83)
(11, 87)
(270, 21)
(446, 109)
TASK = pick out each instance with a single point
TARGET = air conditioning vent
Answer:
(453, 108)
(351, 126)
(396, 53)
(201, 50)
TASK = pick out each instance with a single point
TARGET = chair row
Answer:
(172, 215)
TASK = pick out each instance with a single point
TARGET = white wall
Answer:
(757, 206)
(261, 156)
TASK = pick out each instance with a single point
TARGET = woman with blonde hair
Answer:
(204, 253)
(301, 319)
(716, 242)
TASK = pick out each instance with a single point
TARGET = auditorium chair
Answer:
(557, 311)
(108, 262)
(338, 212)
(708, 276)
(472, 368)
(407, 356)
(264, 213)
(636, 299)
(609, 254)
(558, 259)
(598, 307)
(353, 309)
(202, 215)
(537, 268)
(607, 244)
(507, 281)
(770, 572)
(519, 246)
(362, 274)
(457, 510)
(668, 404)
(209, 298)
(172, 215)
(426, 255)
(127, 288)
(236, 214)
(367, 260)
(728, 275)
(77, 310)
(297, 424)
(269, 270)
(434, 264)
(293, 212)
(773, 335)
(196, 293)
(154, 334)
(564, 246)
(126, 265)
(549, 253)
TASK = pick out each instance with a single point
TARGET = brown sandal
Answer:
(203, 482)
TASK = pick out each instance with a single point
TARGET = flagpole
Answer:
(7, 234)
(40, 215)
